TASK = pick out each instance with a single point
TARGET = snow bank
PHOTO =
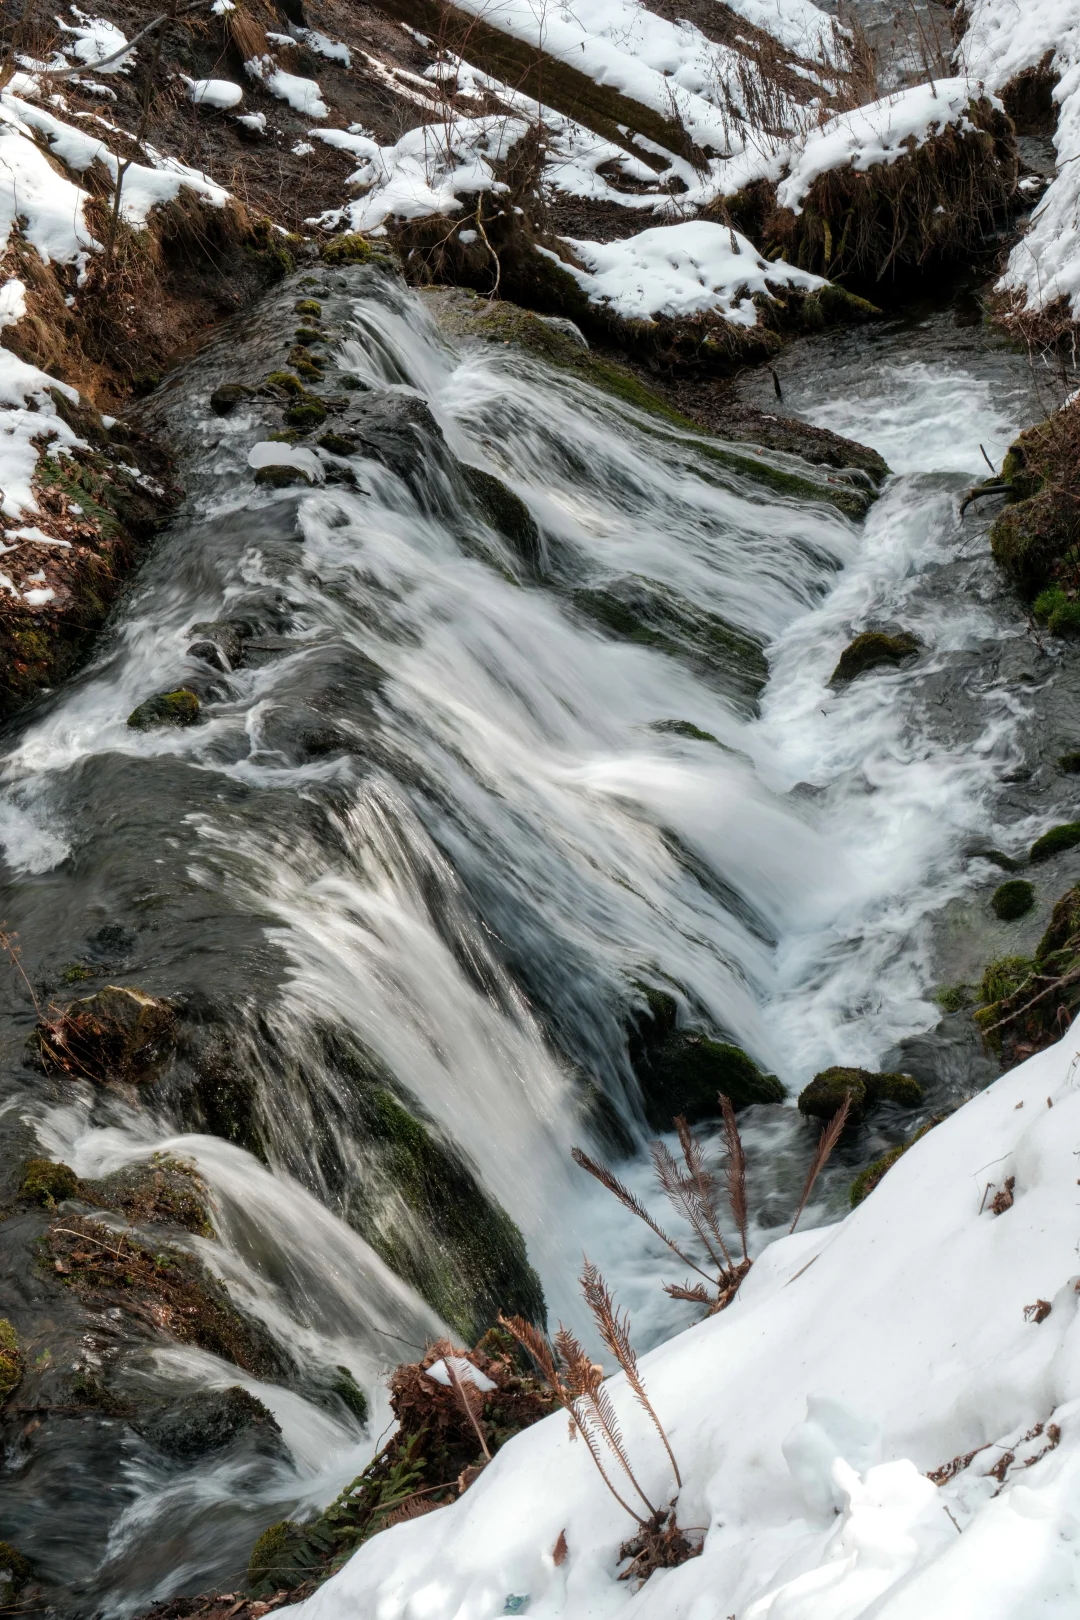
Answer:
(303, 95)
(683, 270)
(856, 1360)
(1004, 39)
(26, 412)
(878, 133)
(424, 172)
(220, 94)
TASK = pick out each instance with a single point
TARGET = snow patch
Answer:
(217, 93)
(302, 95)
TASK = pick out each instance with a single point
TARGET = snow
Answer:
(218, 93)
(95, 41)
(424, 172)
(275, 453)
(1002, 40)
(683, 270)
(805, 1418)
(303, 95)
(877, 133)
(463, 1370)
(332, 49)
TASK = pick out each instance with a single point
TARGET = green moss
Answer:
(76, 973)
(11, 1363)
(354, 249)
(870, 650)
(307, 335)
(1063, 930)
(278, 477)
(953, 998)
(683, 728)
(179, 708)
(286, 380)
(867, 1179)
(350, 383)
(1065, 836)
(282, 1558)
(308, 306)
(1013, 899)
(1058, 611)
(506, 513)
(864, 1088)
(48, 1183)
(684, 1074)
(347, 1390)
(1003, 977)
(1046, 601)
(13, 1565)
(337, 444)
(1070, 763)
(306, 413)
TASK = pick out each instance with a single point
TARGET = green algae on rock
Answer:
(178, 708)
(1013, 899)
(1065, 836)
(864, 1089)
(46, 1182)
(870, 650)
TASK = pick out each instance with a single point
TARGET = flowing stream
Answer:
(439, 814)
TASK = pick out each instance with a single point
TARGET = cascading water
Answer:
(439, 823)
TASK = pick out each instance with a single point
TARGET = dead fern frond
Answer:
(615, 1332)
(606, 1179)
(735, 1171)
(829, 1138)
(697, 1294)
(703, 1182)
(684, 1199)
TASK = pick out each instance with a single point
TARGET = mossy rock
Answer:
(306, 413)
(1063, 928)
(308, 306)
(953, 998)
(288, 381)
(11, 1365)
(1070, 762)
(354, 249)
(279, 476)
(348, 1391)
(77, 973)
(870, 650)
(1054, 842)
(865, 1088)
(337, 444)
(197, 1425)
(506, 512)
(684, 728)
(179, 708)
(307, 336)
(1003, 977)
(686, 1072)
(1030, 538)
(1013, 899)
(46, 1182)
(1058, 611)
(227, 396)
(165, 1190)
(457, 1247)
(120, 1033)
(14, 1568)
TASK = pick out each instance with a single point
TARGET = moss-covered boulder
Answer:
(1070, 762)
(120, 1033)
(166, 1191)
(201, 1423)
(305, 413)
(279, 476)
(1056, 841)
(11, 1360)
(864, 1089)
(309, 307)
(506, 512)
(870, 650)
(1034, 539)
(1013, 899)
(227, 396)
(354, 249)
(46, 1182)
(179, 708)
(682, 1071)
(1063, 930)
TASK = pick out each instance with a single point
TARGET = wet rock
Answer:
(400, 431)
(206, 1421)
(227, 396)
(506, 512)
(308, 306)
(277, 476)
(47, 1182)
(179, 708)
(166, 1190)
(683, 1071)
(353, 249)
(864, 1088)
(867, 1179)
(219, 642)
(338, 444)
(1065, 836)
(1070, 763)
(1013, 899)
(118, 1034)
(1033, 540)
(348, 1391)
(307, 335)
(11, 1365)
(15, 1570)
(870, 650)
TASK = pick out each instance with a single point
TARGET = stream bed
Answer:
(440, 818)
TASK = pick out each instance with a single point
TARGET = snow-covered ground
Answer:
(857, 1360)
(1004, 38)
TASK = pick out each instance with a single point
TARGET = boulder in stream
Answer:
(120, 1033)
(207, 1420)
(864, 1089)
(179, 708)
(682, 1071)
(870, 650)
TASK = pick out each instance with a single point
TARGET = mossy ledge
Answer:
(1036, 539)
(682, 1069)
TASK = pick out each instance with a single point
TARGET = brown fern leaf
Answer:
(702, 1181)
(601, 1409)
(684, 1200)
(606, 1179)
(829, 1138)
(615, 1332)
(533, 1341)
(697, 1294)
(735, 1171)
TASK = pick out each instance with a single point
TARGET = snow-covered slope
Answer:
(1003, 39)
(856, 1360)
